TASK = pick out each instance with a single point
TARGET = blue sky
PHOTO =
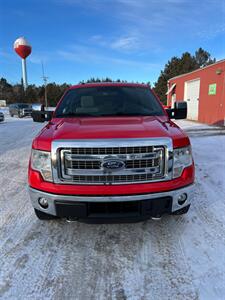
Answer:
(126, 39)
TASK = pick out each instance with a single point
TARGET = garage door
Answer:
(192, 89)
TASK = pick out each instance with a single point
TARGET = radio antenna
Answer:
(45, 80)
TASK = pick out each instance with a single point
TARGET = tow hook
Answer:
(71, 219)
(156, 218)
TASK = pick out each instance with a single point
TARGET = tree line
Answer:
(14, 93)
(36, 94)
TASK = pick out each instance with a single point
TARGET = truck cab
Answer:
(110, 152)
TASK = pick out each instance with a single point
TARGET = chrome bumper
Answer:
(52, 198)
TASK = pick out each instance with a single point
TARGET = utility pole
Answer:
(45, 79)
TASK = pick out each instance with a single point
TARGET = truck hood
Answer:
(109, 127)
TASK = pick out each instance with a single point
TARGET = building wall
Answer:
(2, 103)
(211, 107)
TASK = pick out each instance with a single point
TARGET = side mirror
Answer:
(41, 116)
(179, 111)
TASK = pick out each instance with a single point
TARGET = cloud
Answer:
(131, 42)
(35, 59)
(86, 55)
(9, 56)
(99, 40)
(149, 26)
(126, 43)
(212, 32)
(42, 56)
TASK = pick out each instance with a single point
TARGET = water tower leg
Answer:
(24, 71)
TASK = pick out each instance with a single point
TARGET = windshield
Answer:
(109, 101)
(23, 105)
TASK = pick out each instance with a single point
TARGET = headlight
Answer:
(182, 158)
(41, 161)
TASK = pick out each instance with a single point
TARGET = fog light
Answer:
(43, 202)
(182, 198)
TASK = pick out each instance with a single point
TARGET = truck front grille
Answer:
(137, 162)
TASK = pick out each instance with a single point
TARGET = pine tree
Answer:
(177, 66)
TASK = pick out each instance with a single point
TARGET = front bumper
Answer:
(120, 206)
(26, 114)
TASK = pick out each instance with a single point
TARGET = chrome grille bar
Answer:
(76, 157)
(99, 172)
(111, 150)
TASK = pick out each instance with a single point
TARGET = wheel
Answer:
(19, 115)
(43, 216)
(182, 211)
(11, 115)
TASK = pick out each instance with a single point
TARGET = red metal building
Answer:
(204, 92)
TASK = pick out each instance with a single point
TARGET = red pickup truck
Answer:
(110, 152)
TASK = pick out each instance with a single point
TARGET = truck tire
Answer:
(11, 115)
(43, 216)
(181, 211)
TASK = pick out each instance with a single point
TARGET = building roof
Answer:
(200, 69)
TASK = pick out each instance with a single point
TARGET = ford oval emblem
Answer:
(113, 164)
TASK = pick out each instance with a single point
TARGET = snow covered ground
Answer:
(175, 258)
(199, 129)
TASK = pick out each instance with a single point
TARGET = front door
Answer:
(192, 89)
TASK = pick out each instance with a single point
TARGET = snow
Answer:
(178, 257)
(192, 125)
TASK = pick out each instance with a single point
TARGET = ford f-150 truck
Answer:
(110, 152)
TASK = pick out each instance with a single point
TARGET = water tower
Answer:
(23, 49)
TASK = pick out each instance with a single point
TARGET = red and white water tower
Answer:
(23, 49)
